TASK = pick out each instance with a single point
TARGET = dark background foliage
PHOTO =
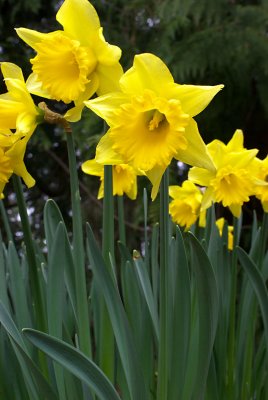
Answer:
(202, 41)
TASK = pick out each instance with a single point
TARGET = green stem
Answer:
(264, 235)
(121, 219)
(79, 254)
(34, 266)
(164, 265)
(232, 319)
(5, 221)
(106, 343)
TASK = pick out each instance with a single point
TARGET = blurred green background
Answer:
(202, 42)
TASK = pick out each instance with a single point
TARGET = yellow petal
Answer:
(106, 106)
(106, 53)
(148, 72)
(155, 176)
(174, 191)
(74, 113)
(235, 209)
(196, 153)
(193, 98)
(108, 76)
(10, 70)
(237, 141)
(79, 19)
(30, 36)
(91, 167)
(207, 199)
(200, 176)
(105, 153)
(35, 86)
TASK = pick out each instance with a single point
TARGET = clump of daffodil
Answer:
(220, 224)
(74, 63)
(186, 204)
(124, 178)
(151, 120)
(233, 181)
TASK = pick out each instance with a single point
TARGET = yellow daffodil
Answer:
(74, 63)
(220, 224)
(5, 171)
(17, 109)
(151, 120)
(232, 182)
(186, 204)
(124, 178)
(261, 191)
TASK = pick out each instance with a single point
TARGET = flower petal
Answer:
(193, 98)
(106, 106)
(148, 72)
(30, 36)
(196, 153)
(155, 176)
(109, 76)
(91, 167)
(79, 19)
(35, 86)
(105, 153)
(10, 70)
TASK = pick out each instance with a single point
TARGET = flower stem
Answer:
(5, 221)
(106, 339)
(164, 265)
(33, 264)
(121, 219)
(79, 254)
(232, 325)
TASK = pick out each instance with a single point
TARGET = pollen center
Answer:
(63, 66)
(157, 120)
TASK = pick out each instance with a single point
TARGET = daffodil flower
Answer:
(74, 63)
(124, 178)
(232, 183)
(186, 204)
(151, 120)
(17, 108)
(5, 171)
(261, 191)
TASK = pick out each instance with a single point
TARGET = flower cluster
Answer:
(238, 174)
(150, 118)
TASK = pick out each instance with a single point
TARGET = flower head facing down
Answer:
(124, 178)
(232, 183)
(186, 204)
(151, 120)
(74, 63)
(17, 108)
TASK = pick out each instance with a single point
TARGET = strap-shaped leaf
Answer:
(75, 362)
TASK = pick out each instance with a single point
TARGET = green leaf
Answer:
(120, 324)
(258, 284)
(208, 304)
(75, 362)
(33, 376)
